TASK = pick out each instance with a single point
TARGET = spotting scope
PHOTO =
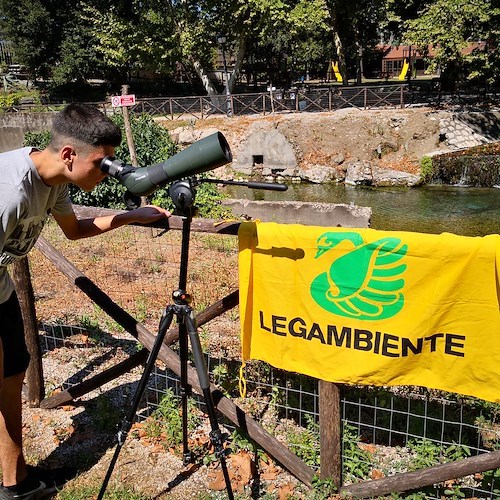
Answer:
(206, 154)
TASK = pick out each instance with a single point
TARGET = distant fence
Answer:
(304, 100)
(313, 100)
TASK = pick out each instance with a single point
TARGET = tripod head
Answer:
(183, 194)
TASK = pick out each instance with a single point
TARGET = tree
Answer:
(32, 26)
(449, 27)
(354, 27)
(137, 36)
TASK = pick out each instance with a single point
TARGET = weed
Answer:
(141, 307)
(86, 492)
(304, 442)
(454, 492)
(490, 432)
(224, 379)
(106, 415)
(91, 325)
(426, 452)
(166, 421)
(456, 452)
(357, 462)
(323, 488)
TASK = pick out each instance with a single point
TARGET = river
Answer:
(429, 209)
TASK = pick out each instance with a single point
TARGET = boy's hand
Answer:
(148, 213)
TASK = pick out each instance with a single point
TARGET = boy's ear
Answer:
(67, 154)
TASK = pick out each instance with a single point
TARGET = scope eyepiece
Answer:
(110, 165)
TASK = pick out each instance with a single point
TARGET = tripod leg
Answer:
(201, 368)
(129, 418)
(185, 389)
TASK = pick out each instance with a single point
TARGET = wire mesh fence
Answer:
(385, 430)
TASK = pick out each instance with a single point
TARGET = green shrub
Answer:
(38, 140)
(8, 100)
(426, 169)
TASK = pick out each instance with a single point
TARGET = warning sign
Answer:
(123, 100)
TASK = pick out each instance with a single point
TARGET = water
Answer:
(430, 209)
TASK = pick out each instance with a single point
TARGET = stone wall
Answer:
(307, 213)
(466, 130)
(13, 126)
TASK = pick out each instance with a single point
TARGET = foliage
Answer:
(38, 140)
(489, 478)
(356, 460)
(277, 39)
(34, 27)
(426, 168)
(324, 489)
(304, 442)
(166, 421)
(449, 26)
(152, 141)
(426, 453)
(138, 37)
(9, 100)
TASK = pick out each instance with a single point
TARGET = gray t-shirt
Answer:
(25, 203)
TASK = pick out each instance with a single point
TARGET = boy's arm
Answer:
(75, 229)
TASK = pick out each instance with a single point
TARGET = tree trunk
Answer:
(338, 44)
(205, 79)
(240, 56)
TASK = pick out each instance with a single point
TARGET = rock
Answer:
(338, 159)
(321, 173)
(363, 173)
(359, 173)
(384, 177)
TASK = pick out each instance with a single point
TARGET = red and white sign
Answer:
(123, 100)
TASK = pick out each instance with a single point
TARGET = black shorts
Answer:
(15, 354)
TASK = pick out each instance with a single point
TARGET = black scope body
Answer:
(206, 154)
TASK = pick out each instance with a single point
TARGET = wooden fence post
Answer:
(128, 129)
(24, 289)
(330, 433)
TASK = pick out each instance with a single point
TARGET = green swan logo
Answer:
(365, 283)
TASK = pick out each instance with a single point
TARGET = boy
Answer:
(34, 184)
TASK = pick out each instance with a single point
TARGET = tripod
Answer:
(183, 195)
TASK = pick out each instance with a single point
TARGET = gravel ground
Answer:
(82, 434)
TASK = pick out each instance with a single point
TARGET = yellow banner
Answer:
(362, 306)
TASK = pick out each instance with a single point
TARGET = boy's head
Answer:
(83, 125)
(81, 137)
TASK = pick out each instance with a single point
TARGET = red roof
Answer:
(401, 51)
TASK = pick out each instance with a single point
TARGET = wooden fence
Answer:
(329, 415)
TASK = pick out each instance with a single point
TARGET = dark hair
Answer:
(85, 124)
